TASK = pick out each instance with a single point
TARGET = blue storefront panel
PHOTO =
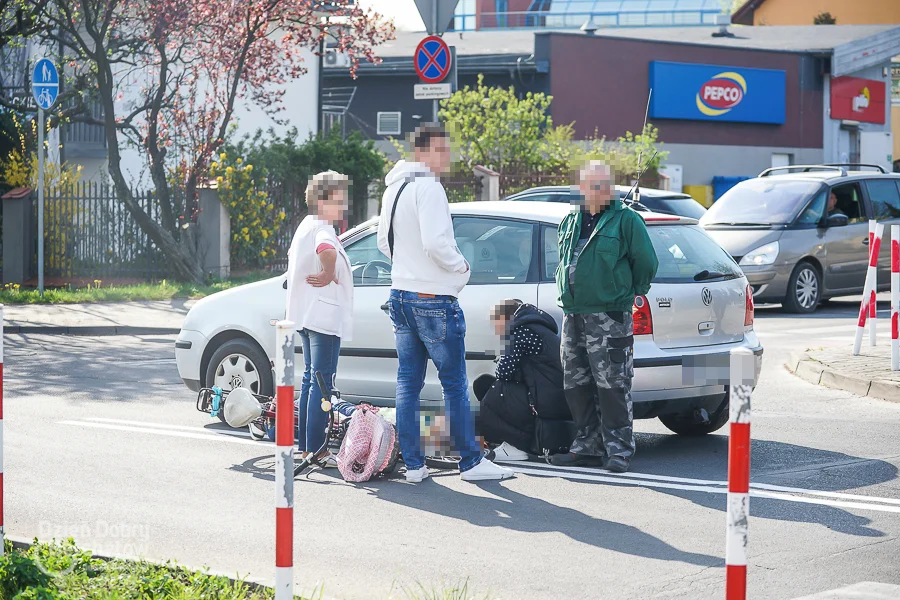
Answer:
(716, 93)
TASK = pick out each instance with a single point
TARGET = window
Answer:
(763, 201)
(551, 252)
(501, 8)
(812, 215)
(498, 251)
(565, 197)
(885, 198)
(684, 206)
(683, 251)
(368, 265)
(849, 202)
(388, 123)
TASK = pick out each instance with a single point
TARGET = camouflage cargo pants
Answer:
(598, 364)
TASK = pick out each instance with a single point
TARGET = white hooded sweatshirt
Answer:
(426, 258)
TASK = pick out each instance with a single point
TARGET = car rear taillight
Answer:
(643, 320)
(748, 310)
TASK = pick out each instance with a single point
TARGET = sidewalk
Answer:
(118, 318)
(868, 374)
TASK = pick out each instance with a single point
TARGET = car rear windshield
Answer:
(761, 201)
(686, 255)
(675, 205)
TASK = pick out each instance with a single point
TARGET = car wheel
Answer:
(688, 425)
(804, 289)
(240, 363)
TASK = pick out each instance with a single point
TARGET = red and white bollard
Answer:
(895, 297)
(284, 460)
(738, 510)
(871, 278)
(873, 306)
(2, 536)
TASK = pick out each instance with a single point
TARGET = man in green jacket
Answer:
(605, 260)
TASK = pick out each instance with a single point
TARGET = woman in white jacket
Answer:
(319, 298)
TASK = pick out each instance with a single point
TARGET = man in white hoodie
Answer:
(427, 275)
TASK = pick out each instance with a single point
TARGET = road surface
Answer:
(104, 443)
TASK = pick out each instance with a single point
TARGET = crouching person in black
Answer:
(523, 408)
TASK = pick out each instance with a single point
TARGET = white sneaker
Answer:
(417, 475)
(330, 461)
(508, 452)
(486, 470)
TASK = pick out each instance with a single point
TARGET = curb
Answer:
(253, 584)
(88, 330)
(817, 373)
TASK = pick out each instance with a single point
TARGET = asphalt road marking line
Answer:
(629, 479)
(707, 482)
(170, 433)
(706, 489)
(139, 362)
(232, 432)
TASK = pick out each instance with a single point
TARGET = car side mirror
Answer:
(284, 285)
(837, 220)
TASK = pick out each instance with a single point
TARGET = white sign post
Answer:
(432, 91)
(436, 15)
(45, 88)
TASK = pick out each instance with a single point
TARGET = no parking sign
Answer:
(432, 59)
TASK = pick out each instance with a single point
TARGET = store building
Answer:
(726, 104)
(736, 104)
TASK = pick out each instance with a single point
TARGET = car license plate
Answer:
(715, 369)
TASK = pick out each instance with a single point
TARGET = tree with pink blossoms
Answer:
(167, 75)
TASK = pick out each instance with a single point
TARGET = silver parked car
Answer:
(801, 233)
(698, 309)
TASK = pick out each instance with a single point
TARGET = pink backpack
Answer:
(370, 446)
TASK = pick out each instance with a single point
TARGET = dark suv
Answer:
(660, 201)
(801, 233)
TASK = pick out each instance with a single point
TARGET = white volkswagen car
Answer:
(697, 310)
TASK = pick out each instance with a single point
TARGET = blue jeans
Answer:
(320, 353)
(435, 328)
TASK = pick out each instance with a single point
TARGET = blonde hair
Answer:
(323, 185)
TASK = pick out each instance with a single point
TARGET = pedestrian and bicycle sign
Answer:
(45, 83)
(432, 59)
(45, 88)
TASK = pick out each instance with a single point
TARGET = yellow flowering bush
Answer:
(254, 219)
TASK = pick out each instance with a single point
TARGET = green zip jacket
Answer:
(618, 262)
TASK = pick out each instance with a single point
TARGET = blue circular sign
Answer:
(45, 83)
(432, 59)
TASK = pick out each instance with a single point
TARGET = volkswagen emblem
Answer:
(706, 295)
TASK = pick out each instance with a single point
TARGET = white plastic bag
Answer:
(241, 408)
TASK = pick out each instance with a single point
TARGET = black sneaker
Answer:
(570, 459)
(617, 464)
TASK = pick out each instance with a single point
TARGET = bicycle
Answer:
(212, 401)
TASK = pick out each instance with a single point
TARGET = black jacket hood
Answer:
(528, 314)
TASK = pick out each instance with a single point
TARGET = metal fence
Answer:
(464, 187)
(514, 181)
(88, 232)
(291, 198)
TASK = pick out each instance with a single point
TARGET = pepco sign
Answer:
(716, 93)
(721, 93)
